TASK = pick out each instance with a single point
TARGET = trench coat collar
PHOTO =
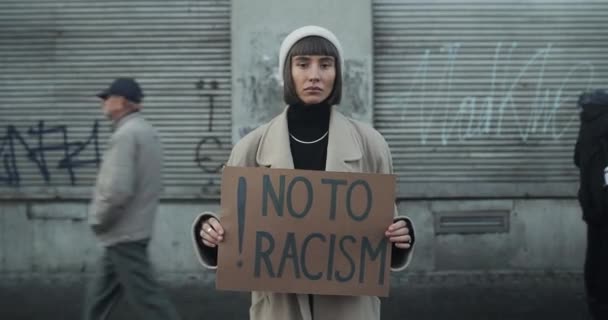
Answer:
(274, 150)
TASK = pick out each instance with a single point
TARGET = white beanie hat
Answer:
(304, 32)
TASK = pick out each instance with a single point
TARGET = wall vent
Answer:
(472, 222)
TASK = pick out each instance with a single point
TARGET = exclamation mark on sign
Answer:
(241, 199)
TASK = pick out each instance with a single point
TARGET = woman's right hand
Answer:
(211, 232)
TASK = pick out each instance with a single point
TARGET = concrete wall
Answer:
(52, 237)
(542, 235)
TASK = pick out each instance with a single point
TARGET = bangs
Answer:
(313, 46)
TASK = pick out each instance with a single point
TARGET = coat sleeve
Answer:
(400, 258)
(116, 182)
(242, 155)
(207, 256)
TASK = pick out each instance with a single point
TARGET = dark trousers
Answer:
(596, 271)
(125, 271)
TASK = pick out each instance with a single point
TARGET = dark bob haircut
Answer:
(312, 45)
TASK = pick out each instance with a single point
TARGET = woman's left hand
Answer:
(398, 233)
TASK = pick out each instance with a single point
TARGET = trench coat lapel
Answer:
(274, 150)
(344, 147)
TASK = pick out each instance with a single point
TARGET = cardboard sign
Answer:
(302, 231)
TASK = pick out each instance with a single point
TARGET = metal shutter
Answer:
(56, 55)
(478, 98)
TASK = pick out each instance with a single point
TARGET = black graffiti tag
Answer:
(210, 142)
(36, 154)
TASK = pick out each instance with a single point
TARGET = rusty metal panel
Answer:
(478, 98)
(54, 57)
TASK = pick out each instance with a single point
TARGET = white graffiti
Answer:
(479, 115)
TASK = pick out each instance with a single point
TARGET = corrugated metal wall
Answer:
(478, 98)
(54, 57)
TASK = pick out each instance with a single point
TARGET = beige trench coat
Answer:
(352, 147)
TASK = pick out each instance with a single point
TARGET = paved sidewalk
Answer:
(420, 297)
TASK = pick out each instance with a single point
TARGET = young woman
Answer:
(310, 134)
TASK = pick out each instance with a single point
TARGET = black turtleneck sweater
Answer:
(309, 123)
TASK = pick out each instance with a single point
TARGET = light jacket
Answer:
(129, 183)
